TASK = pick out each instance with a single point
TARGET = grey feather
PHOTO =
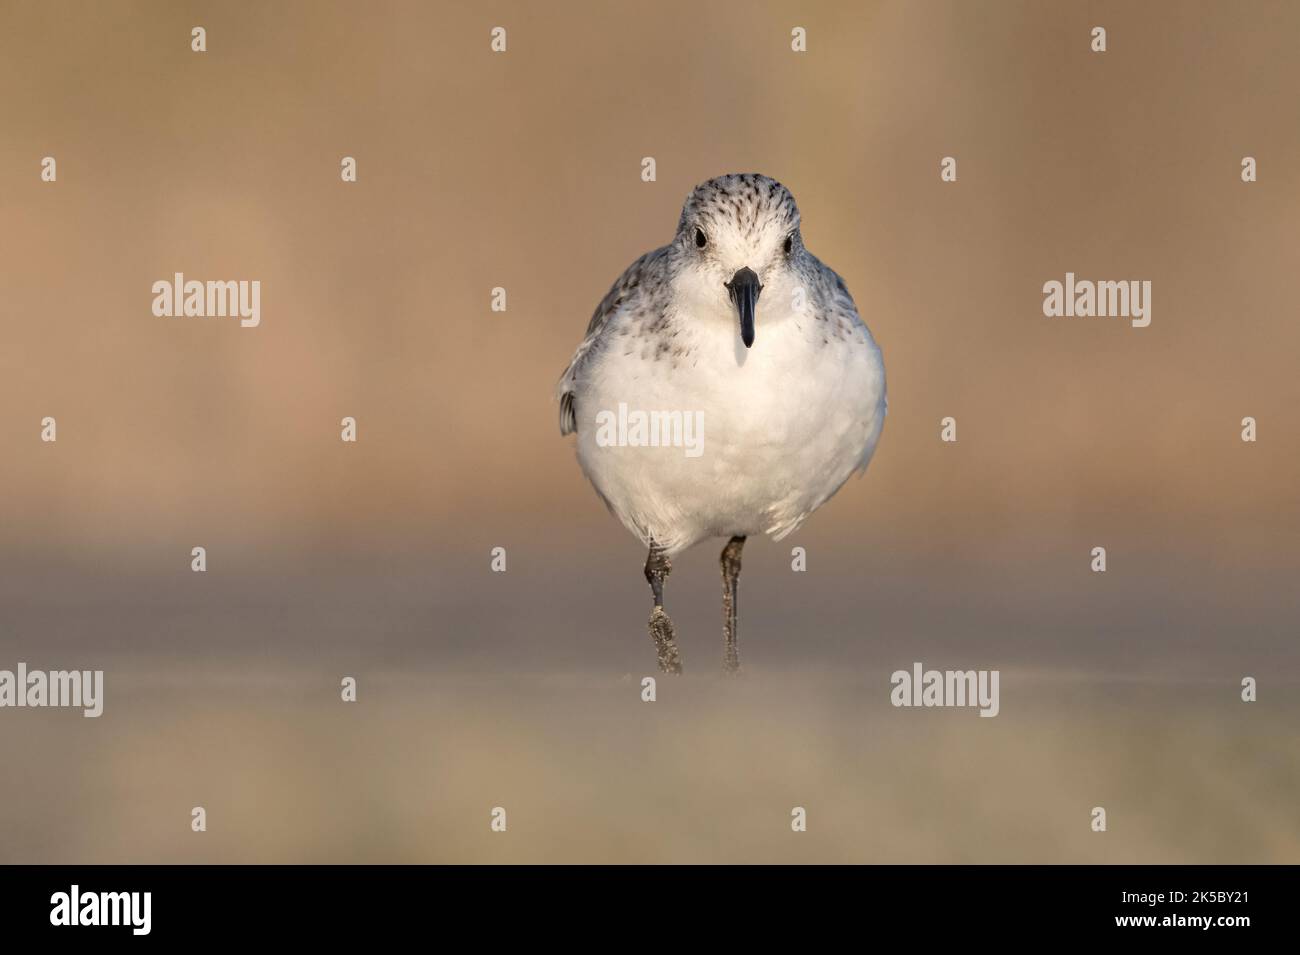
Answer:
(627, 295)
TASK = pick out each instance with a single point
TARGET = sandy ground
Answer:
(587, 772)
(523, 691)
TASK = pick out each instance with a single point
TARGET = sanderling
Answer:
(790, 396)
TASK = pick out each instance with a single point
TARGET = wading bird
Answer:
(737, 326)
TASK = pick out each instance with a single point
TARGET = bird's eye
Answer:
(789, 243)
(701, 240)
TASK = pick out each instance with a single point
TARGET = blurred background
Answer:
(522, 689)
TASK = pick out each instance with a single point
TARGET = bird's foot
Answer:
(665, 638)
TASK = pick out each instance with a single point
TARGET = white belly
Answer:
(784, 424)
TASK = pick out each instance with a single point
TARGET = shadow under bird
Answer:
(736, 328)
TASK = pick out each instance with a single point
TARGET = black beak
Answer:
(744, 288)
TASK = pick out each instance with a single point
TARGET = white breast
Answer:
(785, 423)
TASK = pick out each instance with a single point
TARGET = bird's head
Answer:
(738, 237)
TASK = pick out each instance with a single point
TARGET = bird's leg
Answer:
(657, 569)
(730, 561)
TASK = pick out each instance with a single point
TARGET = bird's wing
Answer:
(622, 297)
(837, 301)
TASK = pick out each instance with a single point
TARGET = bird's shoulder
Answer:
(836, 306)
(632, 294)
(831, 294)
(833, 305)
(640, 282)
